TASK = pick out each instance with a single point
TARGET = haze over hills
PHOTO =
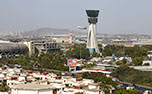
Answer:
(50, 31)
(54, 31)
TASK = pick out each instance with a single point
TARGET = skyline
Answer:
(116, 17)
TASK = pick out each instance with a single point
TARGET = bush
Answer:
(146, 64)
(122, 91)
(118, 62)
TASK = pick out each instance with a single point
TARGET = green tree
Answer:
(4, 87)
(124, 61)
(118, 62)
(78, 51)
(137, 60)
(100, 47)
(113, 49)
(126, 74)
(79, 93)
(146, 64)
(122, 91)
(89, 65)
(54, 60)
(95, 54)
(136, 51)
(99, 77)
(105, 88)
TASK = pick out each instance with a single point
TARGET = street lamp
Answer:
(81, 28)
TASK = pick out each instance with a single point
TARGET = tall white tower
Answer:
(92, 41)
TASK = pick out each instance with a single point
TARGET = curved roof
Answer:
(6, 47)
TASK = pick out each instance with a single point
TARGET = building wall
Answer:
(16, 91)
(3, 92)
(39, 46)
(45, 46)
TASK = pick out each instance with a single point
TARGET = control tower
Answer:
(92, 41)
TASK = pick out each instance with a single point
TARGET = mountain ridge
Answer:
(50, 31)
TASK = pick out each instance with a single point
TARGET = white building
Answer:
(35, 89)
(149, 55)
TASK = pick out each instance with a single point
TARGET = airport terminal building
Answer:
(14, 49)
(10, 49)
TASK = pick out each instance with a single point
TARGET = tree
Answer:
(121, 62)
(99, 77)
(146, 64)
(124, 61)
(122, 91)
(126, 74)
(88, 65)
(54, 60)
(95, 54)
(137, 61)
(113, 49)
(105, 88)
(4, 87)
(79, 51)
(118, 62)
(79, 93)
(136, 51)
(100, 47)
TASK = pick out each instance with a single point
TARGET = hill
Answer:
(50, 31)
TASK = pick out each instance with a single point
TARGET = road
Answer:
(137, 87)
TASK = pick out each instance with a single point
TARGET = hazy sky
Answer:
(116, 16)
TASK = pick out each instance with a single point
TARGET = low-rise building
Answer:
(35, 89)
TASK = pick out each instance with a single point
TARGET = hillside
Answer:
(49, 31)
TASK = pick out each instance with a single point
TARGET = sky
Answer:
(115, 17)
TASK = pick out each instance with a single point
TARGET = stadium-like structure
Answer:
(9, 49)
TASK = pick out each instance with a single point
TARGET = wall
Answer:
(13, 91)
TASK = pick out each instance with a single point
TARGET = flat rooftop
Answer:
(32, 86)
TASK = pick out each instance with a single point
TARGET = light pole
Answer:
(81, 28)
(80, 51)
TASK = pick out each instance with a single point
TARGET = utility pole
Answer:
(80, 52)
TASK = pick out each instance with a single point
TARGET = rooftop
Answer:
(32, 86)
